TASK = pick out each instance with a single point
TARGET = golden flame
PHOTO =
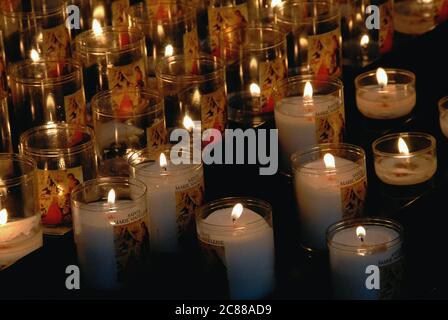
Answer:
(360, 232)
(237, 211)
(111, 197)
(188, 123)
(381, 77)
(253, 64)
(275, 3)
(329, 161)
(34, 55)
(162, 160)
(98, 12)
(254, 89)
(308, 91)
(3, 216)
(364, 41)
(169, 50)
(96, 27)
(402, 146)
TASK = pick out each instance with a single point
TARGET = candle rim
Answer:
(28, 161)
(279, 39)
(321, 18)
(147, 18)
(391, 73)
(58, 9)
(396, 136)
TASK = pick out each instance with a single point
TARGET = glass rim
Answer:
(443, 104)
(229, 202)
(187, 77)
(334, 13)
(281, 40)
(55, 152)
(83, 48)
(373, 221)
(49, 81)
(319, 148)
(58, 9)
(19, 158)
(389, 71)
(124, 181)
(395, 136)
(150, 19)
(107, 94)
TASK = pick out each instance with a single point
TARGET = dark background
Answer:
(41, 275)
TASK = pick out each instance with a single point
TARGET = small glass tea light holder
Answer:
(415, 17)
(330, 184)
(35, 25)
(237, 239)
(5, 127)
(125, 121)
(256, 62)
(175, 182)
(361, 45)
(355, 245)
(193, 87)
(313, 36)
(111, 230)
(65, 156)
(443, 115)
(20, 229)
(308, 111)
(45, 92)
(262, 11)
(112, 58)
(405, 159)
(385, 94)
(244, 109)
(170, 28)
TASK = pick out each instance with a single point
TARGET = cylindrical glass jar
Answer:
(405, 158)
(193, 87)
(308, 111)
(360, 245)
(35, 25)
(20, 230)
(415, 17)
(443, 115)
(126, 121)
(330, 185)
(65, 157)
(46, 91)
(238, 240)
(111, 230)
(5, 128)
(313, 36)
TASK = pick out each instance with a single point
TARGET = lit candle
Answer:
(328, 189)
(357, 244)
(385, 94)
(398, 162)
(241, 235)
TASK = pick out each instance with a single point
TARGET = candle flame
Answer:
(237, 211)
(275, 3)
(308, 91)
(96, 27)
(169, 50)
(98, 12)
(34, 55)
(162, 160)
(253, 64)
(381, 77)
(3, 216)
(402, 146)
(360, 232)
(111, 197)
(188, 123)
(196, 97)
(364, 41)
(329, 161)
(254, 89)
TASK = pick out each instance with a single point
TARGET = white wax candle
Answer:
(410, 170)
(320, 197)
(389, 102)
(166, 187)
(296, 121)
(249, 252)
(348, 267)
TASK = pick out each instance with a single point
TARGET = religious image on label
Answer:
(56, 42)
(187, 201)
(324, 54)
(353, 197)
(214, 110)
(271, 73)
(75, 108)
(330, 126)
(386, 32)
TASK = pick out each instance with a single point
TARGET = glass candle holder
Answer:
(256, 62)
(238, 240)
(35, 25)
(175, 191)
(46, 91)
(308, 111)
(405, 158)
(111, 230)
(313, 36)
(443, 115)
(262, 11)
(356, 244)
(20, 230)
(330, 185)
(415, 17)
(385, 93)
(170, 29)
(112, 12)
(193, 87)
(361, 45)
(5, 128)
(125, 122)
(65, 157)
(3, 71)
(112, 58)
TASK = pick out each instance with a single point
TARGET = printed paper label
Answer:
(156, 135)
(214, 110)
(271, 73)
(119, 9)
(75, 108)
(386, 32)
(353, 194)
(330, 124)
(191, 46)
(324, 53)
(56, 42)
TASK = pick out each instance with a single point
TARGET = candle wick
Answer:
(234, 221)
(362, 239)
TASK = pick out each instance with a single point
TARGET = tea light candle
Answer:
(328, 189)
(358, 243)
(405, 158)
(385, 94)
(244, 237)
